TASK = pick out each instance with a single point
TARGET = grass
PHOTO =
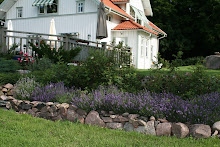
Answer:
(183, 69)
(24, 130)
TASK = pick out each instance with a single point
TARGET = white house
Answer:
(126, 21)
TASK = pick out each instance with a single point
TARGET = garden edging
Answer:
(128, 122)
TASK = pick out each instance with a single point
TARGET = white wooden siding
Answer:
(138, 4)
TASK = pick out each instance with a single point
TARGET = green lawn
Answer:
(180, 69)
(24, 130)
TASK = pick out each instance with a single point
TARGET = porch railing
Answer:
(66, 41)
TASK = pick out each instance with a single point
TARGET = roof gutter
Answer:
(118, 13)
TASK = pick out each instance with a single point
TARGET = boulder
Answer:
(73, 116)
(120, 119)
(73, 107)
(114, 125)
(134, 122)
(162, 120)
(3, 97)
(212, 62)
(8, 86)
(152, 118)
(142, 123)
(200, 131)
(180, 130)
(216, 126)
(147, 129)
(31, 112)
(107, 119)
(62, 112)
(163, 129)
(82, 113)
(125, 114)
(128, 127)
(133, 116)
(93, 118)
(215, 133)
(26, 106)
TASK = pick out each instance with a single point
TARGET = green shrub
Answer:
(24, 88)
(8, 66)
(9, 78)
(44, 50)
(193, 61)
(41, 64)
(186, 85)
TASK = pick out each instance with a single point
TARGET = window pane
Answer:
(41, 9)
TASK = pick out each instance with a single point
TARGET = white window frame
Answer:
(146, 47)
(80, 7)
(142, 46)
(152, 47)
(19, 12)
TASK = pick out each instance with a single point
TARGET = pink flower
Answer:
(19, 59)
(20, 52)
(33, 61)
(26, 54)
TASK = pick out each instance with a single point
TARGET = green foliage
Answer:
(193, 61)
(9, 78)
(11, 52)
(188, 84)
(24, 88)
(44, 50)
(8, 66)
(41, 64)
(192, 26)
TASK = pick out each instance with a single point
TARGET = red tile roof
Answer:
(156, 28)
(119, 0)
(111, 5)
(131, 25)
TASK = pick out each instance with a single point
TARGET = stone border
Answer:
(128, 122)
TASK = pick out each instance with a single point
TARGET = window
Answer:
(142, 46)
(19, 12)
(80, 7)
(146, 47)
(152, 52)
(132, 13)
(109, 17)
(49, 9)
(139, 21)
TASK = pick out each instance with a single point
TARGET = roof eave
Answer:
(147, 8)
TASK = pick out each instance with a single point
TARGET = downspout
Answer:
(158, 44)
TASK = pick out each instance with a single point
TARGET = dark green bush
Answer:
(193, 61)
(41, 64)
(186, 85)
(9, 78)
(8, 66)
(44, 50)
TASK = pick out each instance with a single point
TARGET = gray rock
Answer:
(45, 109)
(114, 125)
(200, 131)
(93, 118)
(31, 112)
(212, 62)
(142, 123)
(125, 114)
(134, 122)
(163, 129)
(53, 108)
(133, 116)
(34, 110)
(216, 126)
(56, 118)
(26, 106)
(49, 103)
(120, 119)
(147, 129)
(111, 112)
(3, 97)
(152, 118)
(82, 113)
(40, 105)
(62, 112)
(113, 116)
(73, 116)
(107, 119)
(162, 120)
(65, 105)
(180, 130)
(156, 123)
(8, 105)
(73, 107)
(3, 103)
(144, 118)
(215, 133)
(128, 127)
(9, 86)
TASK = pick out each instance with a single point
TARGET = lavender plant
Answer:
(55, 92)
(24, 88)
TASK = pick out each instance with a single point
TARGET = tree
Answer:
(192, 26)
